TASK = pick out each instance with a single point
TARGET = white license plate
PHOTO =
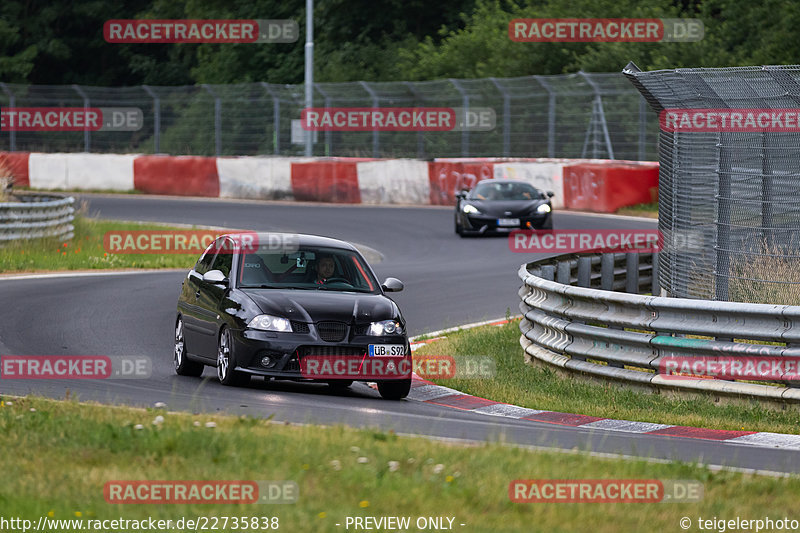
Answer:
(508, 222)
(386, 350)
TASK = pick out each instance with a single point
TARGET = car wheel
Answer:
(183, 366)
(226, 362)
(394, 390)
(340, 384)
(548, 224)
(459, 230)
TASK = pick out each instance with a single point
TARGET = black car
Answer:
(280, 306)
(499, 206)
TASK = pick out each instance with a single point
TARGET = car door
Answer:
(190, 308)
(210, 296)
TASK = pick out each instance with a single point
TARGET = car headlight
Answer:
(469, 208)
(544, 208)
(385, 327)
(270, 323)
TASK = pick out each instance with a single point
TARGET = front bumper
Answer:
(290, 355)
(481, 223)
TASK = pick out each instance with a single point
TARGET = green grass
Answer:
(542, 388)
(57, 459)
(640, 210)
(85, 251)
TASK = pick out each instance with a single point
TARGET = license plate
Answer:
(508, 222)
(386, 350)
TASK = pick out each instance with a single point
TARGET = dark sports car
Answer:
(499, 206)
(297, 307)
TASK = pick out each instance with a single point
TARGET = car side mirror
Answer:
(550, 194)
(392, 285)
(215, 277)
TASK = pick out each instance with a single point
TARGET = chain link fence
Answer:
(729, 201)
(574, 115)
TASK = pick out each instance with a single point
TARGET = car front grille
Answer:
(299, 327)
(332, 350)
(332, 331)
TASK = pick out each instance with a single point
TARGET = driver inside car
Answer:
(326, 267)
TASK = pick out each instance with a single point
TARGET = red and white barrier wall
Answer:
(594, 185)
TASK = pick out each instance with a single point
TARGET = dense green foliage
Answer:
(61, 41)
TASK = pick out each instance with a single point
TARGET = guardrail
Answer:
(37, 216)
(574, 318)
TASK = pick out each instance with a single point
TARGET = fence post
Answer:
(375, 104)
(551, 116)
(600, 114)
(506, 117)
(328, 137)
(12, 134)
(156, 118)
(217, 119)
(464, 130)
(276, 118)
(420, 134)
(86, 105)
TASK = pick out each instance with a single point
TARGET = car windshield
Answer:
(505, 191)
(308, 268)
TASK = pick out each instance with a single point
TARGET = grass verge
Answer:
(640, 210)
(58, 456)
(541, 388)
(85, 250)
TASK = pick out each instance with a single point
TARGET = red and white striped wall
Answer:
(595, 185)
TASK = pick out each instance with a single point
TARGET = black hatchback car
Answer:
(298, 307)
(499, 206)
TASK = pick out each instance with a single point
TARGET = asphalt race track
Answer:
(449, 281)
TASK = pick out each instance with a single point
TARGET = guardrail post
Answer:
(548, 272)
(12, 135)
(655, 285)
(86, 105)
(632, 273)
(563, 273)
(584, 271)
(156, 119)
(607, 272)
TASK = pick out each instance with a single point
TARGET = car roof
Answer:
(503, 180)
(302, 239)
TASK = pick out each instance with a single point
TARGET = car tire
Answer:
(183, 366)
(459, 229)
(340, 384)
(548, 224)
(394, 390)
(226, 362)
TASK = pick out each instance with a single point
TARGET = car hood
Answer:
(506, 208)
(317, 305)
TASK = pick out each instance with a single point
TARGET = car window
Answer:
(505, 191)
(224, 258)
(204, 263)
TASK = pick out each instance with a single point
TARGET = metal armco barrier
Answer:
(37, 216)
(574, 318)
